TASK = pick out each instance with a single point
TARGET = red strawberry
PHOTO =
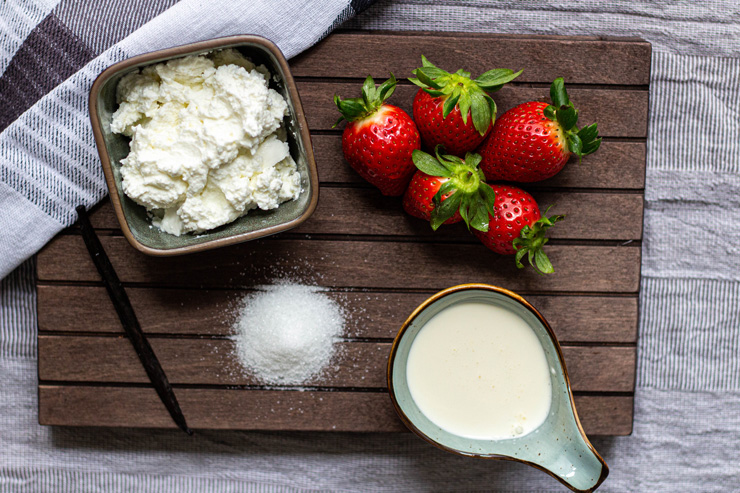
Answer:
(452, 109)
(379, 138)
(533, 141)
(517, 227)
(447, 189)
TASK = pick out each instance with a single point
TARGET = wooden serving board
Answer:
(378, 262)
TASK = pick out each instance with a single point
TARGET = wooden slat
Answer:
(213, 362)
(361, 264)
(619, 113)
(616, 165)
(589, 61)
(270, 410)
(590, 216)
(371, 315)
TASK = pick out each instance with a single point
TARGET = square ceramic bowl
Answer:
(134, 220)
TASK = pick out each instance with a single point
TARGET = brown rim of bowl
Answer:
(526, 304)
(211, 44)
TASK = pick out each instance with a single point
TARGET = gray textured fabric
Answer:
(48, 56)
(17, 20)
(104, 22)
(687, 406)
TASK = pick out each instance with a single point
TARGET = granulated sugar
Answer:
(285, 334)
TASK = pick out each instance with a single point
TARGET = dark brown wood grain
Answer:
(213, 362)
(619, 113)
(589, 61)
(369, 314)
(589, 216)
(377, 262)
(70, 405)
(357, 264)
(619, 165)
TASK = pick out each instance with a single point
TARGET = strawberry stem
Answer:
(460, 90)
(580, 142)
(530, 242)
(372, 99)
(465, 191)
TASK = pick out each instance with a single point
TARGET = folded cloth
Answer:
(48, 161)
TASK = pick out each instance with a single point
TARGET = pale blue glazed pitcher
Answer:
(559, 446)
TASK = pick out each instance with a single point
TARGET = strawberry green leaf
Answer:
(589, 133)
(591, 147)
(481, 112)
(550, 113)
(542, 263)
(386, 89)
(449, 161)
(558, 94)
(450, 103)
(492, 105)
(489, 198)
(426, 63)
(426, 79)
(428, 164)
(445, 210)
(518, 259)
(434, 93)
(567, 117)
(433, 72)
(416, 81)
(496, 78)
(473, 159)
(368, 91)
(575, 145)
(465, 210)
(464, 105)
(481, 218)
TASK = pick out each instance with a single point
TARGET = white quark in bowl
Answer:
(207, 144)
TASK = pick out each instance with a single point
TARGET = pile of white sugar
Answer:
(285, 334)
(207, 142)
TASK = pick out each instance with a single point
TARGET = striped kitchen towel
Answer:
(50, 53)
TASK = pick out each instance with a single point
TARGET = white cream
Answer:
(478, 371)
(206, 141)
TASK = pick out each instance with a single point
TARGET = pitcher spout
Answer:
(576, 464)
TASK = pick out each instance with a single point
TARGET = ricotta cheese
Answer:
(206, 141)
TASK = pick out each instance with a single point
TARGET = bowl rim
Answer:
(184, 50)
(411, 426)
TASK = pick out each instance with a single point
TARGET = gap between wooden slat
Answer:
(266, 409)
(378, 315)
(353, 340)
(589, 60)
(349, 213)
(529, 85)
(214, 362)
(618, 113)
(342, 264)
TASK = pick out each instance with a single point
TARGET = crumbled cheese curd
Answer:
(206, 141)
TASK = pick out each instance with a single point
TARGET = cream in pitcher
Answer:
(479, 371)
